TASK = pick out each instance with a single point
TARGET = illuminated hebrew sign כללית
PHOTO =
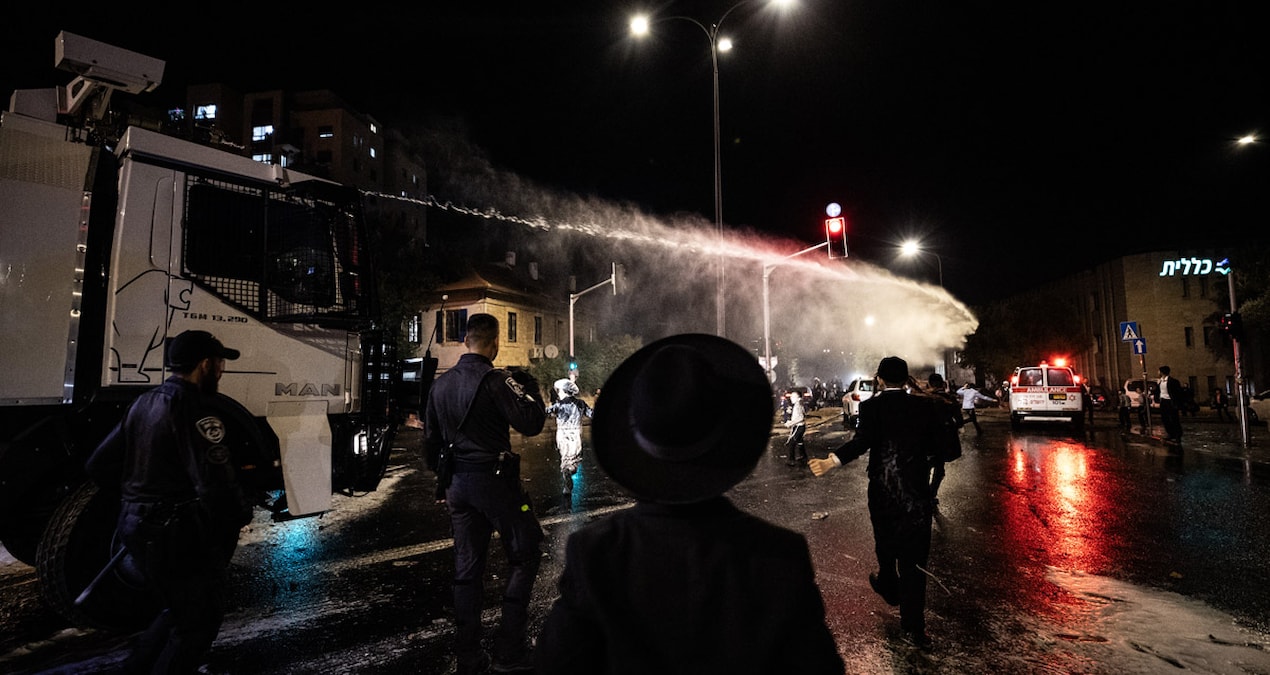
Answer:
(1194, 266)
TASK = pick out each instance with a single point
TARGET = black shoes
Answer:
(915, 638)
(888, 592)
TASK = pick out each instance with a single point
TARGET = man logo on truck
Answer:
(308, 389)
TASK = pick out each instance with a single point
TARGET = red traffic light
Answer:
(836, 235)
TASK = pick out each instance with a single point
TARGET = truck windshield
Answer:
(279, 256)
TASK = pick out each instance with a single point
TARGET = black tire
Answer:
(252, 444)
(1016, 420)
(77, 545)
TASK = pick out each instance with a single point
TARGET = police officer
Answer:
(182, 505)
(469, 446)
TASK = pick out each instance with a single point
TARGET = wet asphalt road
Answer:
(1104, 553)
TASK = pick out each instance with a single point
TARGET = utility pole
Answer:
(1239, 372)
(616, 278)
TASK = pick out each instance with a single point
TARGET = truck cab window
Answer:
(278, 256)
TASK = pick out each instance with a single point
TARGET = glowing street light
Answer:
(912, 247)
(641, 25)
(1247, 139)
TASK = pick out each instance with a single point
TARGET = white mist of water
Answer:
(836, 317)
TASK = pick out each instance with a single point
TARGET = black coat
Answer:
(901, 432)
(688, 588)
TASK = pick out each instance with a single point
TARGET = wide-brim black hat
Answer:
(683, 419)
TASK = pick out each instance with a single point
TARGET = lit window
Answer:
(206, 111)
(261, 132)
(263, 157)
(326, 131)
(414, 330)
(374, 128)
(372, 153)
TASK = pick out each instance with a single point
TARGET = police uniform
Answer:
(181, 513)
(469, 409)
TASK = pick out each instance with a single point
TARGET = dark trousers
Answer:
(1124, 417)
(189, 571)
(1171, 420)
(937, 473)
(972, 418)
(481, 503)
(794, 444)
(902, 545)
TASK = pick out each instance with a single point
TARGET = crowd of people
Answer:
(677, 424)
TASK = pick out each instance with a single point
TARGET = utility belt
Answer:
(506, 466)
(161, 513)
(490, 466)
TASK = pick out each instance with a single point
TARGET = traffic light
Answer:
(836, 234)
(573, 363)
(1232, 324)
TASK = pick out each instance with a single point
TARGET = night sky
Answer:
(988, 129)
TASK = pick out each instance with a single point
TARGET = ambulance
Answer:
(1046, 393)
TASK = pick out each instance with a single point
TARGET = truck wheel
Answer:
(76, 546)
(1016, 420)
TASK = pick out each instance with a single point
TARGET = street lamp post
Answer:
(911, 248)
(640, 26)
(613, 279)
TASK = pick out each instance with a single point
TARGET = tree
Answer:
(1252, 295)
(1014, 332)
(402, 278)
(596, 361)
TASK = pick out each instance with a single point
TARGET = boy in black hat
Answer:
(900, 432)
(684, 582)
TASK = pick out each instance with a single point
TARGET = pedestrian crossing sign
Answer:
(1129, 331)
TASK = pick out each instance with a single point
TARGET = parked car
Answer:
(857, 392)
(1100, 398)
(1259, 407)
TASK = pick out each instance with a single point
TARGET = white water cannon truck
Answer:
(116, 238)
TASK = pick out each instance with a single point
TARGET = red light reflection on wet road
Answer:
(1054, 512)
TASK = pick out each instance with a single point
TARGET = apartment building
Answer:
(1173, 302)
